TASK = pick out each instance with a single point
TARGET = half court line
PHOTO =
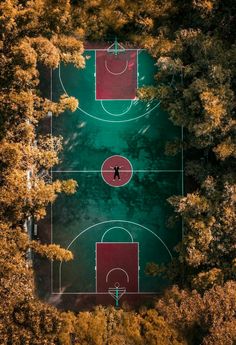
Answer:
(98, 171)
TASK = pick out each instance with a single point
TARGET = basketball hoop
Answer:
(116, 48)
(117, 292)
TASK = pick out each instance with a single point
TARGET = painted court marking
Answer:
(96, 171)
(116, 73)
(139, 226)
(116, 171)
(117, 269)
(116, 114)
(100, 116)
(134, 171)
(116, 227)
(119, 262)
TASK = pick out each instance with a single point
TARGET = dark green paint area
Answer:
(141, 207)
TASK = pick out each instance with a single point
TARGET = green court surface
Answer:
(135, 212)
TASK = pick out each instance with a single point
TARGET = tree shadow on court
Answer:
(148, 191)
(148, 153)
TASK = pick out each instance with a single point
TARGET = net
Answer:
(116, 48)
(117, 292)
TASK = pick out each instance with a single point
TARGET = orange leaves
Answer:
(51, 251)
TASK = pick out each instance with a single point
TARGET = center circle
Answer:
(116, 171)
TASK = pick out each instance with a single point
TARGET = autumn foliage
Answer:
(193, 43)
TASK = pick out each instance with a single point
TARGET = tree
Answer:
(111, 326)
(194, 47)
(28, 39)
(208, 319)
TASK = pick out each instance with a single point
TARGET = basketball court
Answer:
(114, 147)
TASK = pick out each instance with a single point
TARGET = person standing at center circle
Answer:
(116, 169)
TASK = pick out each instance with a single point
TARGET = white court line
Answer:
(107, 222)
(95, 74)
(138, 267)
(116, 227)
(113, 243)
(105, 49)
(51, 214)
(117, 99)
(117, 269)
(108, 70)
(111, 171)
(96, 258)
(182, 180)
(99, 116)
(137, 75)
(84, 171)
(130, 170)
(117, 114)
(104, 293)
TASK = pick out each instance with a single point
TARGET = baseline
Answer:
(101, 223)
(100, 118)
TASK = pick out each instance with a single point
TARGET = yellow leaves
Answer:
(210, 106)
(14, 189)
(26, 78)
(8, 13)
(166, 46)
(213, 312)
(149, 43)
(55, 17)
(157, 331)
(206, 6)
(10, 154)
(16, 278)
(213, 106)
(228, 219)
(45, 153)
(193, 203)
(68, 321)
(47, 53)
(166, 63)
(31, 319)
(225, 149)
(219, 74)
(51, 251)
(152, 269)
(26, 56)
(69, 186)
(147, 93)
(70, 103)
(205, 280)
(79, 33)
(65, 103)
(47, 159)
(189, 34)
(90, 328)
(202, 234)
(70, 50)
(110, 326)
(21, 104)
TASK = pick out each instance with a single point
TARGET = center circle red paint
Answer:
(117, 171)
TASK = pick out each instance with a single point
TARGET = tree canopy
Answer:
(193, 43)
